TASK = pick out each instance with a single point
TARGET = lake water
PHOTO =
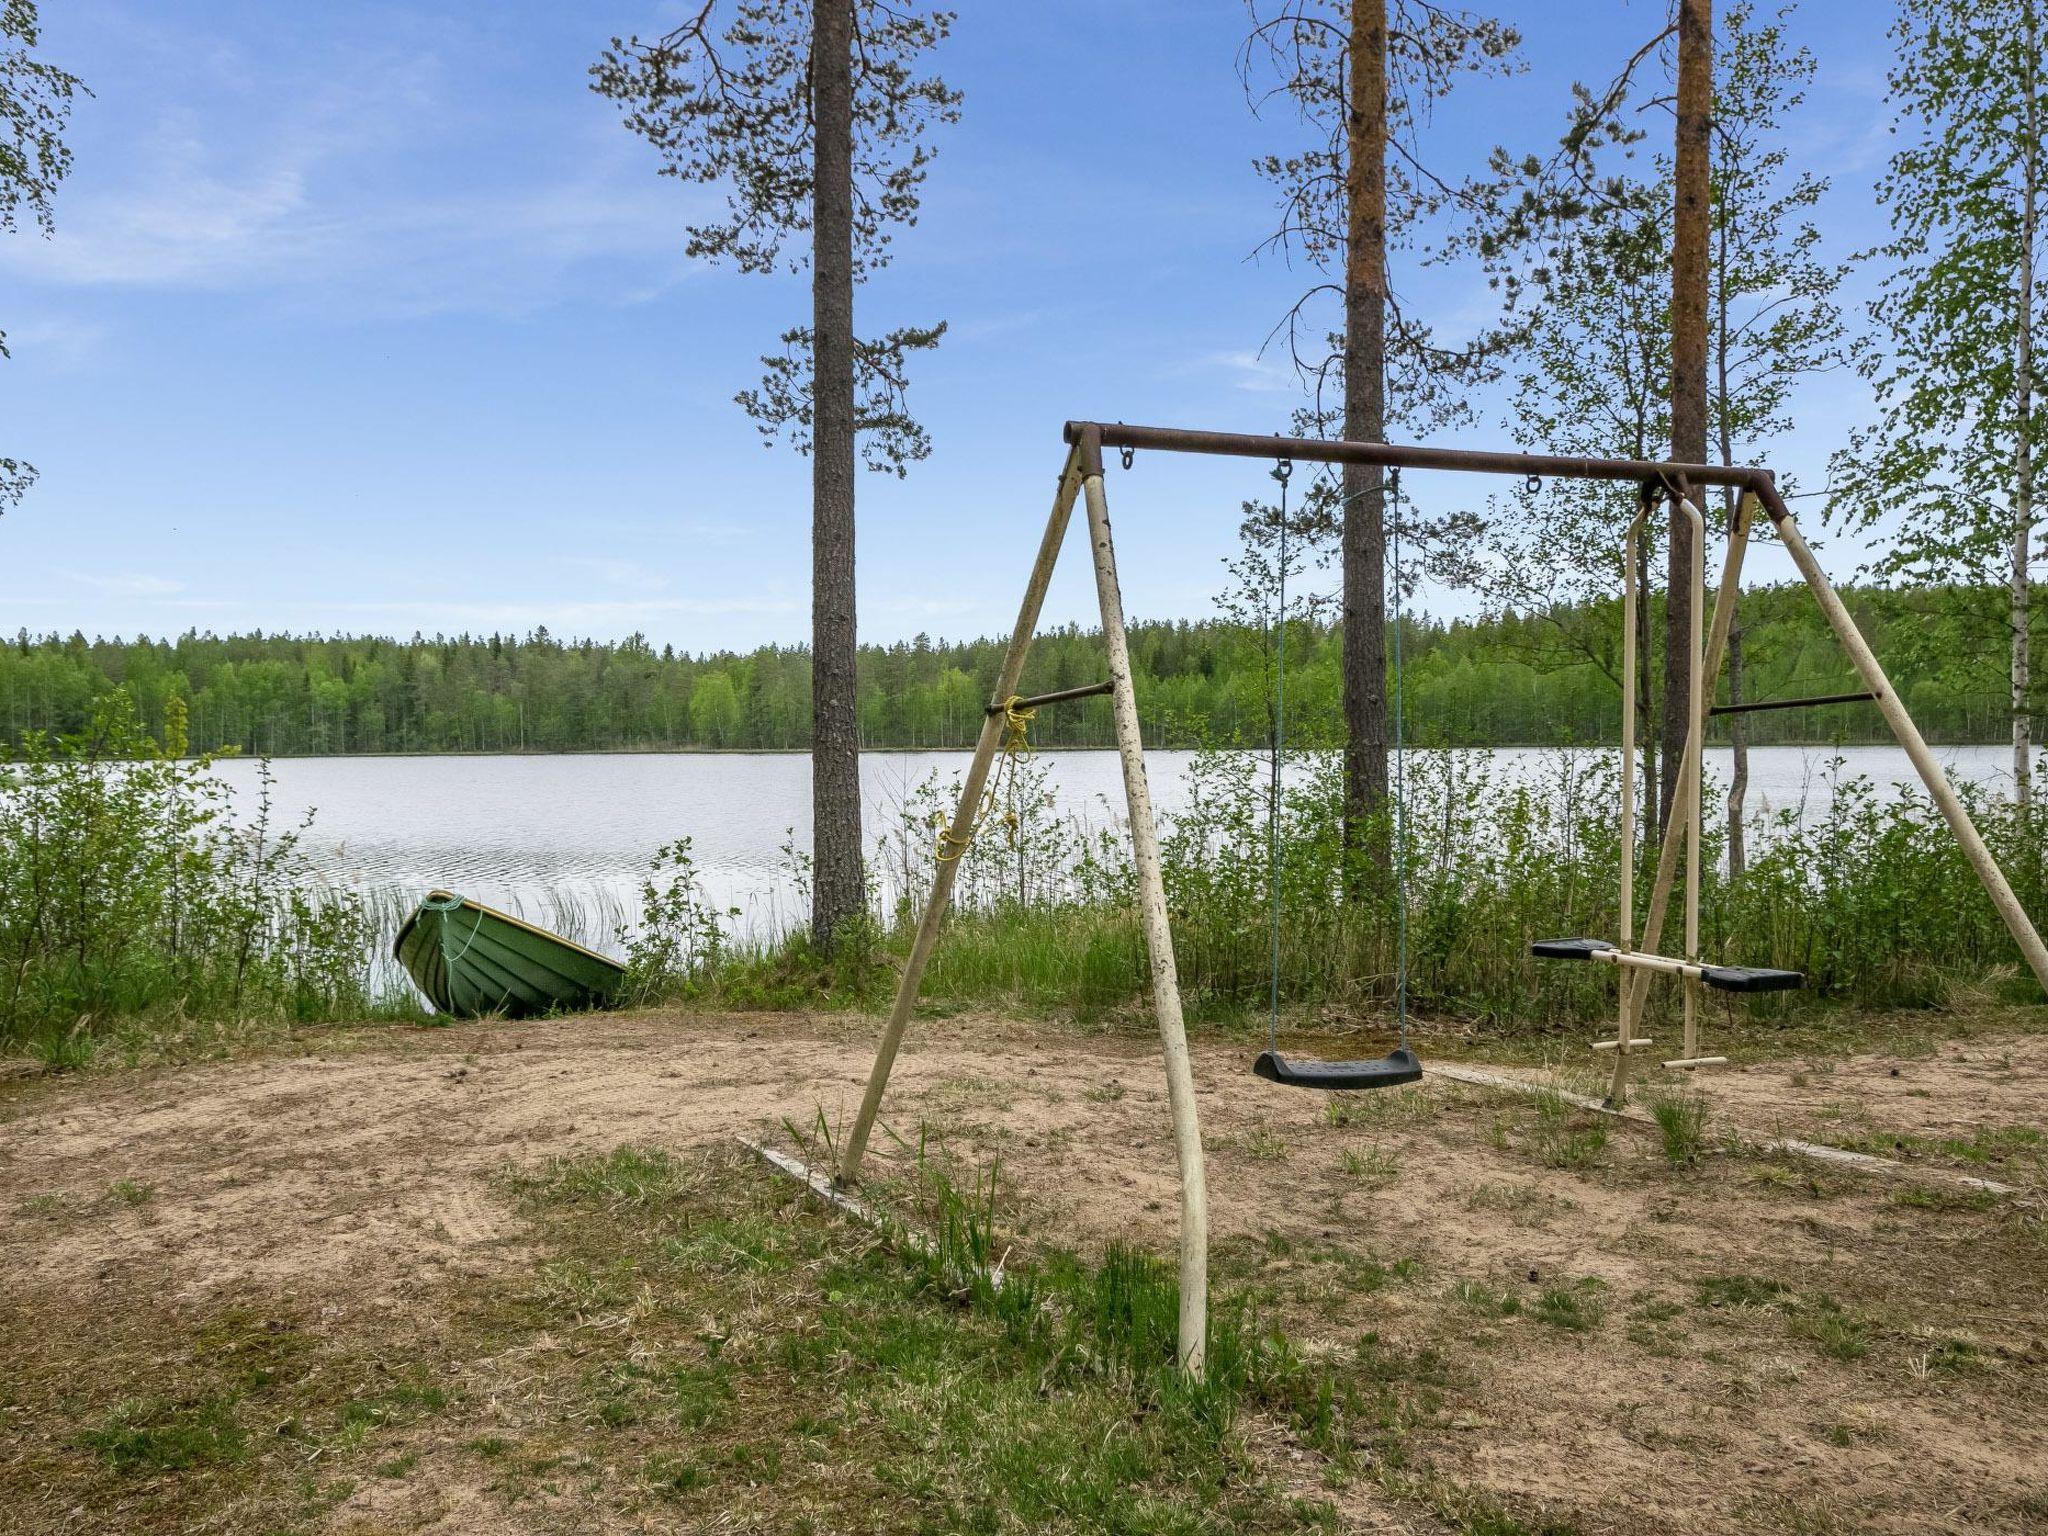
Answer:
(535, 834)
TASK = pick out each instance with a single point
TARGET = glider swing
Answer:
(1082, 480)
(1400, 1065)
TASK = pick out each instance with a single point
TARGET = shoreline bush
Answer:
(127, 891)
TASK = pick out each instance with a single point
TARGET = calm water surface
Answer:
(538, 834)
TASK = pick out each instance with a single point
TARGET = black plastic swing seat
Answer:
(1569, 949)
(1751, 978)
(1726, 978)
(1389, 1071)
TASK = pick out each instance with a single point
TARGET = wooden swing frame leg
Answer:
(1180, 1076)
(854, 1152)
(1081, 479)
(1932, 774)
(1682, 829)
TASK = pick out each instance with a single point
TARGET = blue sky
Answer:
(370, 317)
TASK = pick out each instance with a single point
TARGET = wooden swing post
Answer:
(1173, 1039)
(993, 728)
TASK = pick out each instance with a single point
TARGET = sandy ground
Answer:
(359, 1176)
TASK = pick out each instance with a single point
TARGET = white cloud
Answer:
(364, 192)
(1262, 374)
(57, 343)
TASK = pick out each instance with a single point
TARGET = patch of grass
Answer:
(1986, 1145)
(625, 1177)
(1838, 1333)
(1923, 1197)
(157, 1435)
(1264, 1144)
(1954, 1357)
(673, 1476)
(1566, 1137)
(1106, 1092)
(129, 1192)
(399, 1466)
(768, 1349)
(1485, 1300)
(490, 1447)
(1682, 1125)
(1578, 1308)
(1385, 1107)
(1715, 1291)
(1371, 1165)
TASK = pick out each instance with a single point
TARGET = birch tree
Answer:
(1773, 314)
(35, 109)
(812, 116)
(1954, 454)
(1362, 77)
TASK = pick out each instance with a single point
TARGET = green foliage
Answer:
(1682, 1123)
(1872, 901)
(1576, 1308)
(732, 107)
(35, 108)
(1947, 464)
(159, 1435)
(680, 938)
(126, 890)
(1717, 1291)
(1520, 677)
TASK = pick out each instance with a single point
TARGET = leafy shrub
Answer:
(128, 890)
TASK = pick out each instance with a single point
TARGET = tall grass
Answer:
(127, 892)
(1871, 899)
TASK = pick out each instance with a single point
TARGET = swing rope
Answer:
(1277, 737)
(1016, 749)
(1400, 1066)
(1399, 860)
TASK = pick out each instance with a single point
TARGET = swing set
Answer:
(1636, 955)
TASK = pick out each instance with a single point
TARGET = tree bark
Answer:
(2023, 449)
(1365, 420)
(838, 891)
(1689, 242)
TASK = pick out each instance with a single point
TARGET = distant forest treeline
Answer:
(1512, 679)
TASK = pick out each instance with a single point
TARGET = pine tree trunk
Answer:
(1689, 240)
(2023, 457)
(1365, 420)
(837, 889)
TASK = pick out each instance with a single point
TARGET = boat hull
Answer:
(470, 960)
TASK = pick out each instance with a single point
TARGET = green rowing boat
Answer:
(470, 959)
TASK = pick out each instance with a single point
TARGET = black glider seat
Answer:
(1569, 949)
(1402, 1066)
(1751, 978)
(1727, 978)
